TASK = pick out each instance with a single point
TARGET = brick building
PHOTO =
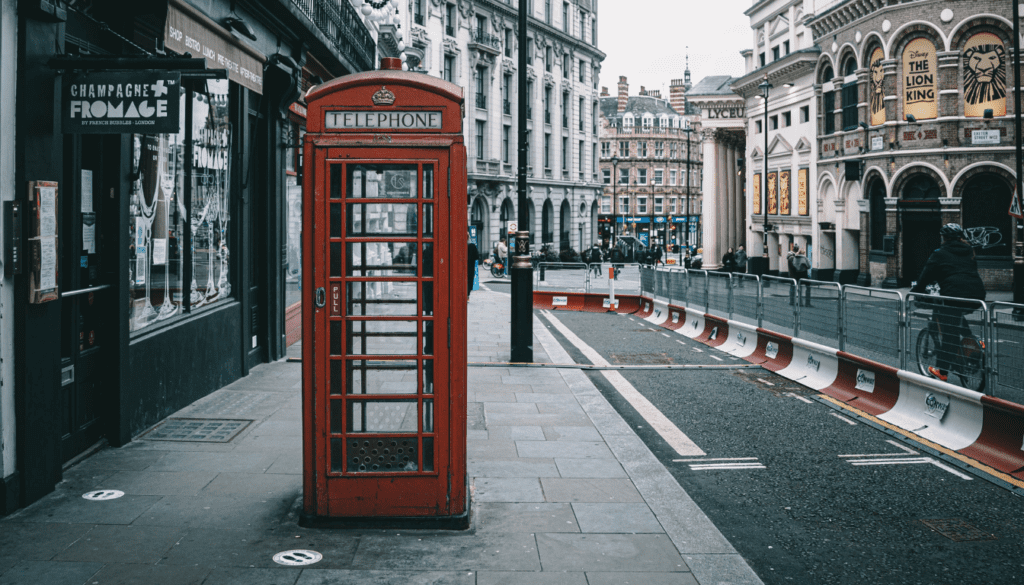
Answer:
(915, 130)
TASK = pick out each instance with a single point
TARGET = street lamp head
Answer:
(615, 160)
(765, 87)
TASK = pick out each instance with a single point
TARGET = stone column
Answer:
(712, 206)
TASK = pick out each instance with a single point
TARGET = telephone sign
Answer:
(384, 358)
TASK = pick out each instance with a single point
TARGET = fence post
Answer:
(729, 306)
(760, 301)
(795, 295)
(840, 316)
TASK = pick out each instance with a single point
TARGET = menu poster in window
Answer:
(920, 86)
(756, 192)
(984, 60)
(801, 192)
(86, 191)
(784, 192)
(773, 194)
(89, 233)
(42, 241)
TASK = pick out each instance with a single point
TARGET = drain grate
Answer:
(297, 558)
(957, 530)
(101, 495)
(639, 358)
(206, 430)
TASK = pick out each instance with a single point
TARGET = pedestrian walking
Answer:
(741, 259)
(658, 253)
(798, 267)
(594, 259)
(472, 257)
(501, 251)
(729, 261)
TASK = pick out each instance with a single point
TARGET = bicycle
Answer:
(497, 268)
(967, 364)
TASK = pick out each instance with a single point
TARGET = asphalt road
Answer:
(806, 495)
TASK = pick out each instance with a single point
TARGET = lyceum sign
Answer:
(144, 102)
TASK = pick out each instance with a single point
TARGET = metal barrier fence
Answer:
(746, 298)
(871, 324)
(719, 294)
(818, 307)
(1007, 335)
(778, 310)
(980, 345)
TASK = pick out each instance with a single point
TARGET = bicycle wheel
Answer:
(970, 366)
(927, 349)
(496, 270)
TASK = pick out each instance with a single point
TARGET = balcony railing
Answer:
(481, 38)
(343, 26)
(565, 121)
(418, 19)
(481, 101)
(529, 113)
(449, 30)
(506, 107)
(547, 117)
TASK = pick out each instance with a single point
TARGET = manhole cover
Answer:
(206, 430)
(639, 358)
(100, 495)
(297, 558)
(957, 530)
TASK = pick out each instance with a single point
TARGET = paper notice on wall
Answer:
(89, 233)
(47, 211)
(47, 263)
(159, 251)
(140, 270)
(86, 191)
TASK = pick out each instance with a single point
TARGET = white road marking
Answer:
(680, 342)
(899, 445)
(666, 334)
(798, 397)
(909, 461)
(654, 417)
(715, 459)
(716, 357)
(844, 419)
(766, 382)
(751, 465)
(698, 350)
(877, 455)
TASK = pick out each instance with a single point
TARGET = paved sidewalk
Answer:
(564, 493)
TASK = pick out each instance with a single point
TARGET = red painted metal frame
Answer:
(410, 495)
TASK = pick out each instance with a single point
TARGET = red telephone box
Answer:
(384, 338)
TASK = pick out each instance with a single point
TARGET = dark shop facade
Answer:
(149, 193)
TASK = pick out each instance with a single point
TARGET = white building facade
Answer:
(475, 44)
(780, 171)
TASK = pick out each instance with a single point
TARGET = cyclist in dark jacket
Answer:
(954, 268)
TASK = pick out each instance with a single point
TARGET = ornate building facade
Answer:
(475, 44)
(650, 166)
(916, 130)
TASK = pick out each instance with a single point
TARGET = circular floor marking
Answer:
(100, 495)
(297, 558)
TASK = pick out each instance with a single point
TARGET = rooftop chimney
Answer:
(676, 93)
(655, 93)
(623, 94)
(604, 91)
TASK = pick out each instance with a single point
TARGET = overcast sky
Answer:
(646, 40)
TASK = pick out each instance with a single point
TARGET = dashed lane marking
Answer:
(666, 334)
(717, 358)
(698, 350)
(909, 461)
(844, 419)
(798, 397)
(765, 382)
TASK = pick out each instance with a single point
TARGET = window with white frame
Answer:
(606, 205)
(641, 176)
(659, 149)
(659, 176)
(481, 131)
(641, 204)
(623, 204)
(672, 177)
(606, 175)
(648, 122)
(623, 148)
(623, 176)
(641, 149)
(606, 149)
(659, 205)
(672, 205)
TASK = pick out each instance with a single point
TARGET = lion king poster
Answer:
(984, 60)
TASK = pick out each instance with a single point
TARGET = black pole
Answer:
(764, 179)
(1018, 258)
(522, 269)
(688, 194)
(615, 200)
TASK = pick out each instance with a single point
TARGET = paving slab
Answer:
(589, 468)
(245, 576)
(524, 578)
(564, 449)
(558, 489)
(618, 518)
(524, 517)
(507, 489)
(160, 483)
(132, 574)
(39, 573)
(208, 511)
(241, 548)
(609, 552)
(643, 579)
(72, 508)
(119, 544)
(336, 576)
(469, 552)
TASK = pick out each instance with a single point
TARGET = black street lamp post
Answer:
(1018, 260)
(522, 268)
(765, 88)
(688, 129)
(615, 181)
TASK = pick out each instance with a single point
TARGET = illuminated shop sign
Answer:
(122, 102)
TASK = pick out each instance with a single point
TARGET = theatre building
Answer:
(915, 130)
(147, 162)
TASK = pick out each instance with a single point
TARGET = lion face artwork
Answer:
(877, 78)
(984, 61)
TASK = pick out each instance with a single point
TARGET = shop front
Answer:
(158, 274)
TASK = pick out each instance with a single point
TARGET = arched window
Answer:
(850, 117)
(986, 198)
(564, 224)
(828, 102)
(547, 223)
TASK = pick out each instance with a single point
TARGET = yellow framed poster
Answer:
(984, 60)
(784, 192)
(757, 193)
(920, 88)
(801, 192)
(773, 193)
(877, 82)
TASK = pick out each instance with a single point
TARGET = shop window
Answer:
(158, 215)
(988, 227)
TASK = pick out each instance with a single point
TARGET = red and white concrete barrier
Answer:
(813, 365)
